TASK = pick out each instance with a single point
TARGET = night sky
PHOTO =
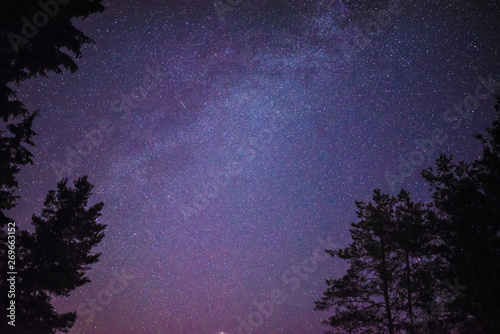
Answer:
(229, 147)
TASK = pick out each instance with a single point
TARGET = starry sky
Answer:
(230, 139)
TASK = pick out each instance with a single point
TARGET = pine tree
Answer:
(410, 238)
(391, 280)
(417, 249)
(361, 299)
(467, 198)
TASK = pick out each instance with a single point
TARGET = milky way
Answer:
(229, 153)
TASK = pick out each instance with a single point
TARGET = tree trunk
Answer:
(410, 301)
(390, 325)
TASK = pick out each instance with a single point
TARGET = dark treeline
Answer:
(425, 268)
(51, 260)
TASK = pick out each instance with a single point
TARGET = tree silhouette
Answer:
(467, 197)
(404, 254)
(417, 249)
(38, 37)
(29, 46)
(53, 259)
(64, 235)
(385, 285)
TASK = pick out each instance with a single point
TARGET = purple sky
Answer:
(228, 153)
